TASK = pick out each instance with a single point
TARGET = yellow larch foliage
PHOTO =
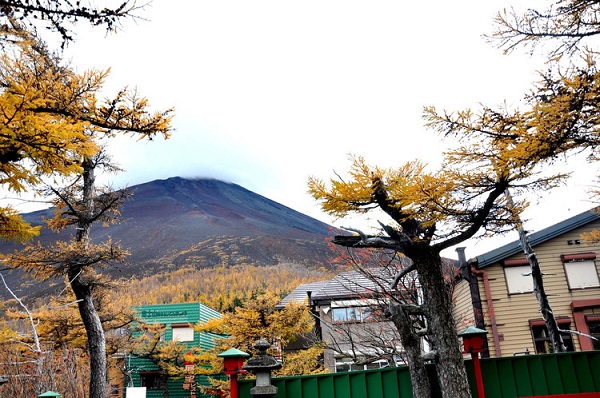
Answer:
(258, 319)
(221, 288)
(47, 112)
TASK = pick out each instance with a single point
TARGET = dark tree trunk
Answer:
(449, 361)
(412, 346)
(538, 286)
(84, 291)
(95, 336)
(540, 294)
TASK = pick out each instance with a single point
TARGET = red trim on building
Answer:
(515, 263)
(565, 258)
(592, 318)
(577, 306)
(575, 395)
(541, 322)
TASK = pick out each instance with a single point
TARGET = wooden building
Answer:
(495, 291)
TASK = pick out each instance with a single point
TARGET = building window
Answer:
(586, 314)
(348, 365)
(351, 314)
(183, 333)
(542, 342)
(152, 380)
(593, 323)
(581, 274)
(518, 276)
(343, 365)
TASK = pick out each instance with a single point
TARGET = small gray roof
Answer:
(353, 284)
(299, 294)
(346, 285)
(510, 249)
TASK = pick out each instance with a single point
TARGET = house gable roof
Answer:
(356, 284)
(300, 294)
(344, 285)
(536, 238)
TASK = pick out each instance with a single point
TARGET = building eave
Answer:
(536, 238)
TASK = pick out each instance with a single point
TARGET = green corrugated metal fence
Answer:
(508, 377)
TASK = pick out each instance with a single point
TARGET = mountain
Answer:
(201, 223)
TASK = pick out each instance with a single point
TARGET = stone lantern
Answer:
(262, 365)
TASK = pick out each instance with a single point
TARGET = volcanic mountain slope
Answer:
(201, 223)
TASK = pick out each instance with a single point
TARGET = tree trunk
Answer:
(538, 285)
(449, 361)
(95, 337)
(83, 291)
(540, 294)
(412, 346)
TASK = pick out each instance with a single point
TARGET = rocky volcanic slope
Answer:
(200, 223)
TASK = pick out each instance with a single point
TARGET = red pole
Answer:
(234, 385)
(478, 377)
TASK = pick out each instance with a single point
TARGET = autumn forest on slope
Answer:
(197, 240)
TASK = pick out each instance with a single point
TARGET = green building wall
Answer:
(169, 314)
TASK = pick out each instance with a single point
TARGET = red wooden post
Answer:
(233, 360)
(474, 343)
(478, 378)
(233, 386)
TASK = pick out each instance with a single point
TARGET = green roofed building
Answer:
(178, 320)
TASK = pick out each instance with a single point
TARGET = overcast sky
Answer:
(268, 93)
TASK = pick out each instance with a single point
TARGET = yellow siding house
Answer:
(496, 290)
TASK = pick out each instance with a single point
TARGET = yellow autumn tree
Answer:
(258, 319)
(567, 26)
(426, 211)
(559, 116)
(566, 31)
(49, 89)
(46, 110)
(498, 150)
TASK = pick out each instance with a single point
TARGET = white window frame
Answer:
(348, 362)
(581, 274)
(351, 314)
(182, 333)
(518, 279)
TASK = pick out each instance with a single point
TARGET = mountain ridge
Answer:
(198, 223)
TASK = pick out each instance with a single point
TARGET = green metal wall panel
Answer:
(294, 388)
(522, 376)
(559, 374)
(402, 386)
(309, 386)
(584, 374)
(539, 383)
(374, 384)
(594, 362)
(508, 382)
(492, 381)
(358, 384)
(325, 387)
(342, 385)
(508, 377)
(391, 384)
